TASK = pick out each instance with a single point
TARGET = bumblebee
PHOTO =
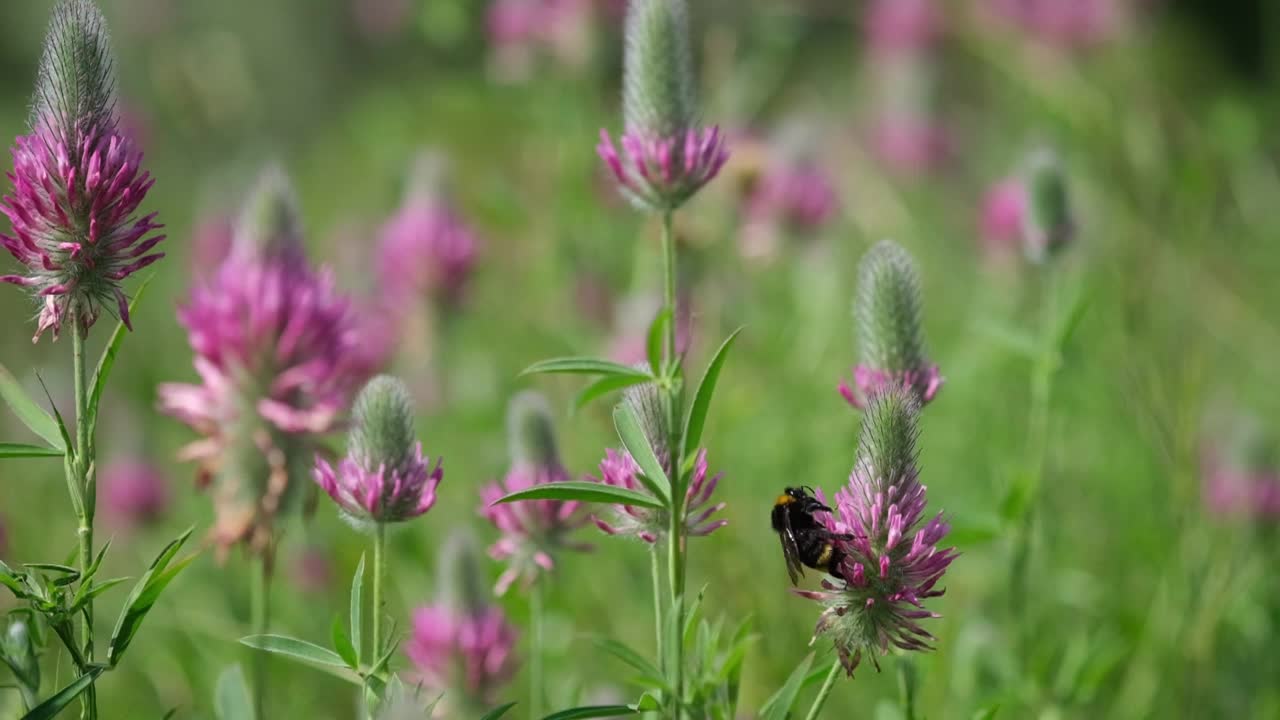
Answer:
(805, 541)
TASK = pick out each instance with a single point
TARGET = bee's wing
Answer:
(791, 551)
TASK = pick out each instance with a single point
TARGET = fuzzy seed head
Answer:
(887, 311)
(658, 95)
(382, 431)
(75, 87)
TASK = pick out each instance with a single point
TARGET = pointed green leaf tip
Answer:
(887, 310)
(75, 87)
(530, 430)
(1049, 224)
(269, 222)
(382, 431)
(658, 95)
(887, 442)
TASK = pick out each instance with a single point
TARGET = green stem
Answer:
(379, 572)
(824, 691)
(260, 617)
(83, 483)
(675, 539)
(655, 567)
(535, 659)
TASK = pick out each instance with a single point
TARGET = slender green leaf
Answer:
(94, 591)
(173, 713)
(592, 711)
(779, 706)
(1071, 320)
(627, 655)
(144, 595)
(294, 648)
(28, 410)
(231, 697)
(342, 644)
(606, 385)
(702, 398)
(54, 567)
(584, 492)
(498, 712)
(357, 609)
(64, 697)
(584, 366)
(22, 450)
(108, 359)
(633, 438)
(657, 336)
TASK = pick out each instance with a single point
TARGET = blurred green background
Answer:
(1136, 602)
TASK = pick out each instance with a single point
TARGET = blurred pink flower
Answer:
(1003, 215)
(1233, 490)
(911, 144)
(634, 315)
(533, 531)
(924, 383)
(134, 492)
(378, 19)
(313, 569)
(210, 243)
(791, 197)
(902, 25)
(473, 648)
(277, 349)
(1065, 23)
(426, 249)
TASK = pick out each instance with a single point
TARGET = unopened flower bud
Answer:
(1049, 225)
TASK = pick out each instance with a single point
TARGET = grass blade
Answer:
(779, 706)
(498, 712)
(295, 649)
(108, 359)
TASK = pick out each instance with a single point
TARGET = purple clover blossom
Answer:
(379, 493)
(663, 172)
(1069, 25)
(892, 564)
(663, 157)
(648, 524)
(77, 183)
(426, 248)
(134, 493)
(468, 650)
(867, 381)
(384, 478)
(532, 530)
(277, 351)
